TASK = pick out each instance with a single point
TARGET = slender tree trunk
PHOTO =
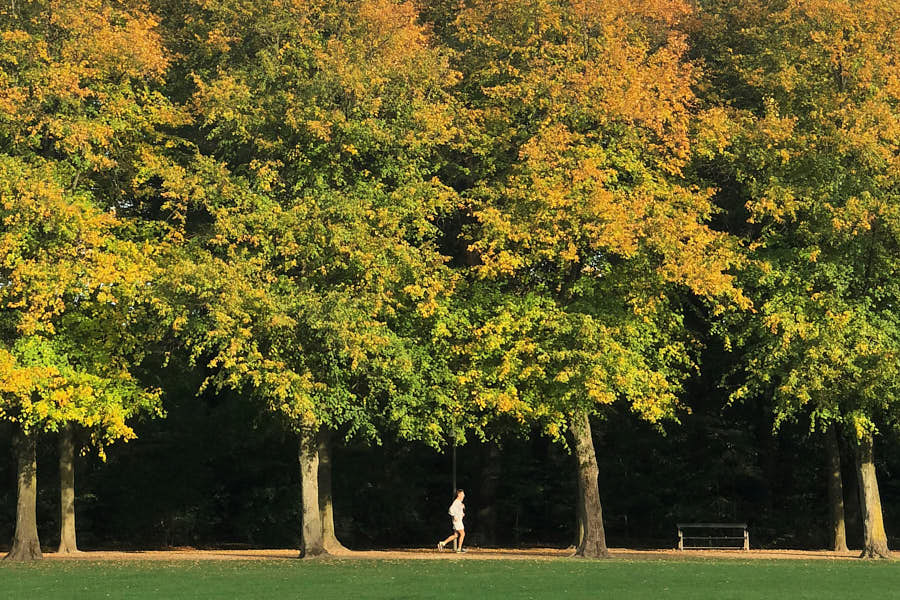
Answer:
(326, 508)
(313, 543)
(835, 491)
(26, 545)
(593, 541)
(874, 537)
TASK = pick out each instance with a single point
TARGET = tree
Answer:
(68, 286)
(313, 250)
(580, 215)
(810, 145)
(77, 113)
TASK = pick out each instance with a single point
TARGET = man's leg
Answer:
(443, 543)
(461, 535)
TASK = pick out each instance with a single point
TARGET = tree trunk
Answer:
(593, 541)
(313, 543)
(874, 537)
(835, 491)
(67, 542)
(26, 545)
(579, 518)
(326, 509)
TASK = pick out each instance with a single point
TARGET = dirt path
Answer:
(428, 554)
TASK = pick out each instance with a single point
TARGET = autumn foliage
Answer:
(441, 219)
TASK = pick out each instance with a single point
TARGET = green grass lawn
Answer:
(471, 579)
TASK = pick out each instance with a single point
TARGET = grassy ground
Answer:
(451, 579)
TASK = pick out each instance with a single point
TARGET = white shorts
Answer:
(457, 524)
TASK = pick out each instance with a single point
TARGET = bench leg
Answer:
(746, 540)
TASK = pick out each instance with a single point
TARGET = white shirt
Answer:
(457, 509)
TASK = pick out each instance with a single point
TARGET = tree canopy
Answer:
(426, 224)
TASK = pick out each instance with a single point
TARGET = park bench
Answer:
(723, 534)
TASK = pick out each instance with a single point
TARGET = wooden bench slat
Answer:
(735, 525)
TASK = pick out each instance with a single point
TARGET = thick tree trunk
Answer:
(67, 542)
(312, 543)
(593, 541)
(326, 508)
(874, 537)
(487, 496)
(26, 545)
(835, 491)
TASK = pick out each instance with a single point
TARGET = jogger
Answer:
(456, 511)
